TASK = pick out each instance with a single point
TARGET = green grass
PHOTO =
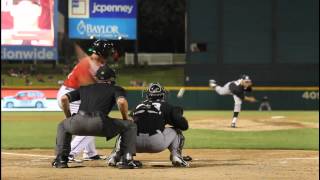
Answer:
(306, 139)
(125, 75)
(38, 130)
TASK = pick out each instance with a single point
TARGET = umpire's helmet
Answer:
(103, 48)
(105, 73)
(155, 92)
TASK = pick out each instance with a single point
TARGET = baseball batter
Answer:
(81, 75)
(238, 90)
(151, 117)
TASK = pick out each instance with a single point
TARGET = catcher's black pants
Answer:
(95, 124)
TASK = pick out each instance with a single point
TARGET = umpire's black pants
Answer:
(95, 124)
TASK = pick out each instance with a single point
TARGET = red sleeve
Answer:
(45, 17)
(6, 20)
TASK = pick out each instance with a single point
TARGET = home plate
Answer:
(278, 117)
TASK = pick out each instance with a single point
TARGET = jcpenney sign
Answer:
(113, 8)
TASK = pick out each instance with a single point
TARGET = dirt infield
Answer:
(253, 124)
(207, 164)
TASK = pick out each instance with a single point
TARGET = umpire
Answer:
(151, 117)
(97, 100)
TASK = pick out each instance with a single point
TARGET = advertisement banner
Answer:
(29, 100)
(104, 28)
(29, 30)
(113, 8)
(103, 19)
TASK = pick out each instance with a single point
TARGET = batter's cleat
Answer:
(72, 159)
(233, 125)
(56, 163)
(212, 83)
(178, 161)
(93, 158)
(187, 158)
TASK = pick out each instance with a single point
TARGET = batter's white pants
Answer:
(78, 143)
(225, 90)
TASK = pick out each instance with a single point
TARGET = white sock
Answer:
(234, 120)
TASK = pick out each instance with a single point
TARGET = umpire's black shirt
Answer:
(99, 97)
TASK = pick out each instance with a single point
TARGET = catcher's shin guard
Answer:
(182, 140)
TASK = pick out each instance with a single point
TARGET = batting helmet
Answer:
(156, 92)
(103, 48)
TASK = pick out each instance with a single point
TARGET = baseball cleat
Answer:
(59, 163)
(93, 158)
(233, 125)
(112, 162)
(212, 83)
(72, 159)
(132, 164)
(187, 158)
(178, 162)
(113, 159)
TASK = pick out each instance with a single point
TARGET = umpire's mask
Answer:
(106, 74)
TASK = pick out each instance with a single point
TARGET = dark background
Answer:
(161, 26)
(274, 41)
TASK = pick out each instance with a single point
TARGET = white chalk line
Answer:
(45, 156)
(309, 158)
(155, 162)
(29, 155)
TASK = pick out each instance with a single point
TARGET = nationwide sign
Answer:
(102, 19)
(29, 30)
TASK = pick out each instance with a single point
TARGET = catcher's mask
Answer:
(106, 74)
(155, 92)
(103, 48)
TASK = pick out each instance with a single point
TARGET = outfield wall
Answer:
(199, 98)
(276, 42)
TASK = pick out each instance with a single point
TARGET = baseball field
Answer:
(266, 145)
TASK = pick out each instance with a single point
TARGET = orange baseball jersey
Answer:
(82, 74)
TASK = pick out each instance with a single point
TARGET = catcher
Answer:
(151, 117)
(238, 90)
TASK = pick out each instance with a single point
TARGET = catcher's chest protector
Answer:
(149, 118)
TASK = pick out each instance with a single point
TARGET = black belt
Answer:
(84, 113)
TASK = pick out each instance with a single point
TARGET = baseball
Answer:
(181, 93)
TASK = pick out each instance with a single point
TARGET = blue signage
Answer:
(113, 8)
(103, 28)
(105, 19)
